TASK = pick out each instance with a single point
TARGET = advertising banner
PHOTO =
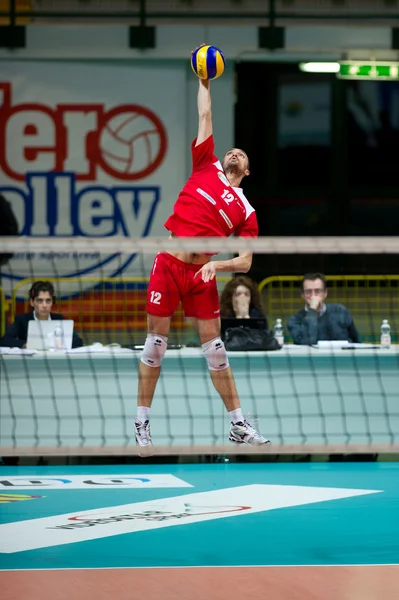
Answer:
(90, 149)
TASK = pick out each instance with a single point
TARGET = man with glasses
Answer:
(319, 321)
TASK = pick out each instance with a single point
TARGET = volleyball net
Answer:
(332, 396)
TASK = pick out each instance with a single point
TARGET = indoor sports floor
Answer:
(200, 531)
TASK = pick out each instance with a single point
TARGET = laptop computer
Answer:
(252, 323)
(50, 335)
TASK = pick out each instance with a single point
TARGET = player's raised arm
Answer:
(204, 111)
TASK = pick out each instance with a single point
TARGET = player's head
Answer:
(236, 162)
(42, 298)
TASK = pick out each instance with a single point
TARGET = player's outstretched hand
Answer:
(207, 272)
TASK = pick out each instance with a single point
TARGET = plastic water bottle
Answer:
(385, 334)
(279, 332)
(58, 339)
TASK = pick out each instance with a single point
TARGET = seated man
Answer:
(319, 321)
(41, 299)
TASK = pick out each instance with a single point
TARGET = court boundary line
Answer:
(201, 449)
(206, 567)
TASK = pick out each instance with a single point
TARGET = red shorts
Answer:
(172, 281)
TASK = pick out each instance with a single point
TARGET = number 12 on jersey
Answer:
(155, 297)
(227, 196)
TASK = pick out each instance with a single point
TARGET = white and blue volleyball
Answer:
(208, 62)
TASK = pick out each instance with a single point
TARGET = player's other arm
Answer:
(243, 262)
(240, 264)
(204, 111)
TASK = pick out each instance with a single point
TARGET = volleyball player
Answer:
(210, 204)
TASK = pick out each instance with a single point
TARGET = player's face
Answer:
(236, 160)
(42, 305)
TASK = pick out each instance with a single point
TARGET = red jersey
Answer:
(208, 205)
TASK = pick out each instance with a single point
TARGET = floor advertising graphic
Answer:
(172, 517)
(5, 498)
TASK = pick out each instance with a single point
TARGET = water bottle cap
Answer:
(385, 321)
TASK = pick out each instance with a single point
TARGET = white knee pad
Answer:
(216, 355)
(154, 350)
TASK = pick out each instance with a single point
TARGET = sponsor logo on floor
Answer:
(6, 498)
(166, 512)
(97, 482)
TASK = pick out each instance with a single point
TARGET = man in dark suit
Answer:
(41, 299)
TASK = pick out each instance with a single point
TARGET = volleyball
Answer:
(207, 62)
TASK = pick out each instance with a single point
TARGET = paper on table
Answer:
(8, 350)
(344, 344)
(294, 346)
(99, 348)
(332, 343)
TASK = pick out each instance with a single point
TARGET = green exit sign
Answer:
(368, 70)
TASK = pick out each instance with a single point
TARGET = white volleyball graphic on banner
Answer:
(131, 142)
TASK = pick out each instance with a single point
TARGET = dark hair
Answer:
(313, 277)
(41, 286)
(226, 298)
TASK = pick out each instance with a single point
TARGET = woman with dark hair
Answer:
(240, 298)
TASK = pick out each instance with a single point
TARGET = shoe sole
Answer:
(145, 451)
(234, 441)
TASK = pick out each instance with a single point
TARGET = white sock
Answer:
(143, 413)
(236, 415)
